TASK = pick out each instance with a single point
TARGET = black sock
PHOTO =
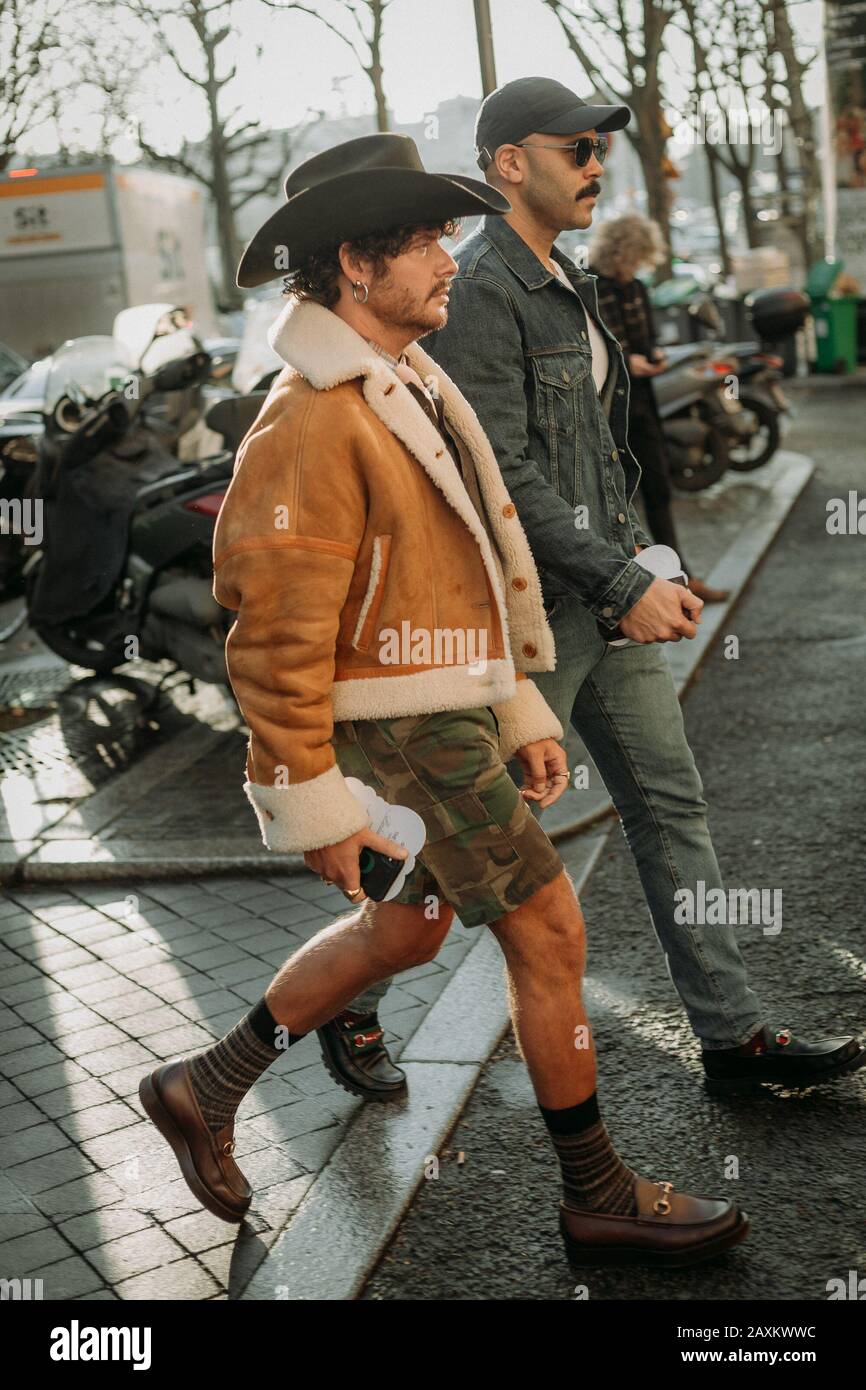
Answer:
(222, 1074)
(594, 1176)
(265, 1027)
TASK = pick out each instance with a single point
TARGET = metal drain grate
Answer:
(89, 729)
(29, 685)
(77, 730)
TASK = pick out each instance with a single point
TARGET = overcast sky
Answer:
(430, 54)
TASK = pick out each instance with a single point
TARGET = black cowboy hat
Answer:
(362, 186)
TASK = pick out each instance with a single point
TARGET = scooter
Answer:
(125, 570)
(777, 315)
(702, 420)
(756, 366)
(759, 374)
(175, 417)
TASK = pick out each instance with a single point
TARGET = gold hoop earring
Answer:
(359, 285)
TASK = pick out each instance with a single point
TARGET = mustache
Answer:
(592, 190)
(446, 285)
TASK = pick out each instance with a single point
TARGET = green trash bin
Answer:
(835, 319)
(836, 333)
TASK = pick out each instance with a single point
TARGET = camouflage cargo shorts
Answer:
(485, 853)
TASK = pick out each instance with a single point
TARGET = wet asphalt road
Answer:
(780, 738)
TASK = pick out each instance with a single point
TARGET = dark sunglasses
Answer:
(583, 148)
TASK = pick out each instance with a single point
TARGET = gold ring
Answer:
(352, 892)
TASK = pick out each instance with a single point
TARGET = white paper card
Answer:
(398, 823)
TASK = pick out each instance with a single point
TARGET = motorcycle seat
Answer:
(187, 599)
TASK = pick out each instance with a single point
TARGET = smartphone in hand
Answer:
(378, 872)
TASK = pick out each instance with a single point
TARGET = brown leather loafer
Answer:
(205, 1159)
(703, 591)
(670, 1228)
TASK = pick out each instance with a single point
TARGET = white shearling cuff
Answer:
(308, 815)
(525, 718)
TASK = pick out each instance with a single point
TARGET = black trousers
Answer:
(648, 445)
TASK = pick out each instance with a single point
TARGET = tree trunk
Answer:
(220, 188)
(716, 200)
(375, 71)
(749, 219)
(231, 296)
(651, 152)
(802, 125)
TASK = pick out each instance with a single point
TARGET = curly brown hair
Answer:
(621, 245)
(317, 277)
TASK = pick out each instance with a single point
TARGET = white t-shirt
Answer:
(600, 359)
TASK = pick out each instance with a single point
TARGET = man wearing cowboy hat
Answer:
(361, 506)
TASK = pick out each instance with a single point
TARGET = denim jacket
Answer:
(517, 346)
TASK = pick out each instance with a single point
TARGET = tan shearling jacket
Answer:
(345, 536)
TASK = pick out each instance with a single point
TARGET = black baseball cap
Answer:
(540, 104)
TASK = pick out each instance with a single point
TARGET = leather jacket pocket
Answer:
(368, 616)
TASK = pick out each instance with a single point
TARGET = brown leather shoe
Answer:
(357, 1058)
(671, 1229)
(205, 1159)
(703, 591)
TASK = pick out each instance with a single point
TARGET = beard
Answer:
(403, 308)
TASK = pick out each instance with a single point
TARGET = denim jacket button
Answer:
(620, 516)
(565, 375)
(615, 454)
(607, 612)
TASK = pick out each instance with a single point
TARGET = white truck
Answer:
(77, 245)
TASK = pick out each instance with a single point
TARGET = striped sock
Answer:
(594, 1176)
(221, 1075)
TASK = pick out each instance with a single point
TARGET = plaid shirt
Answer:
(627, 312)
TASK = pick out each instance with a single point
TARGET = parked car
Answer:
(12, 364)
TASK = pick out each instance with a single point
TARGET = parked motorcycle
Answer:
(156, 331)
(759, 374)
(752, 431)
(125, 569)
(776, 316)
(702, 421)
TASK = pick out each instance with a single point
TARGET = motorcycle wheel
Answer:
(99, 647)
(694, 478)
(87, 651)
(762, 446)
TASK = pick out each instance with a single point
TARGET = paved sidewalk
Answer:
(96, 987)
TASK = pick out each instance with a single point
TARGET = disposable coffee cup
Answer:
(661, 561)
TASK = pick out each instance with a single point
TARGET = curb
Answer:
(79, 859)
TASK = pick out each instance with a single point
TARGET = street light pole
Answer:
(484, 30)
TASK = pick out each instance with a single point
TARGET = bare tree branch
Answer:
(630, 41)
(366, 48)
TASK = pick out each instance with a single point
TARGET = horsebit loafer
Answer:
(781, 1059)
(356, 1057)
(205, 1159)
(669, 1228)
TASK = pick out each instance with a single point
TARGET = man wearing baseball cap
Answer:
(525, 344)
